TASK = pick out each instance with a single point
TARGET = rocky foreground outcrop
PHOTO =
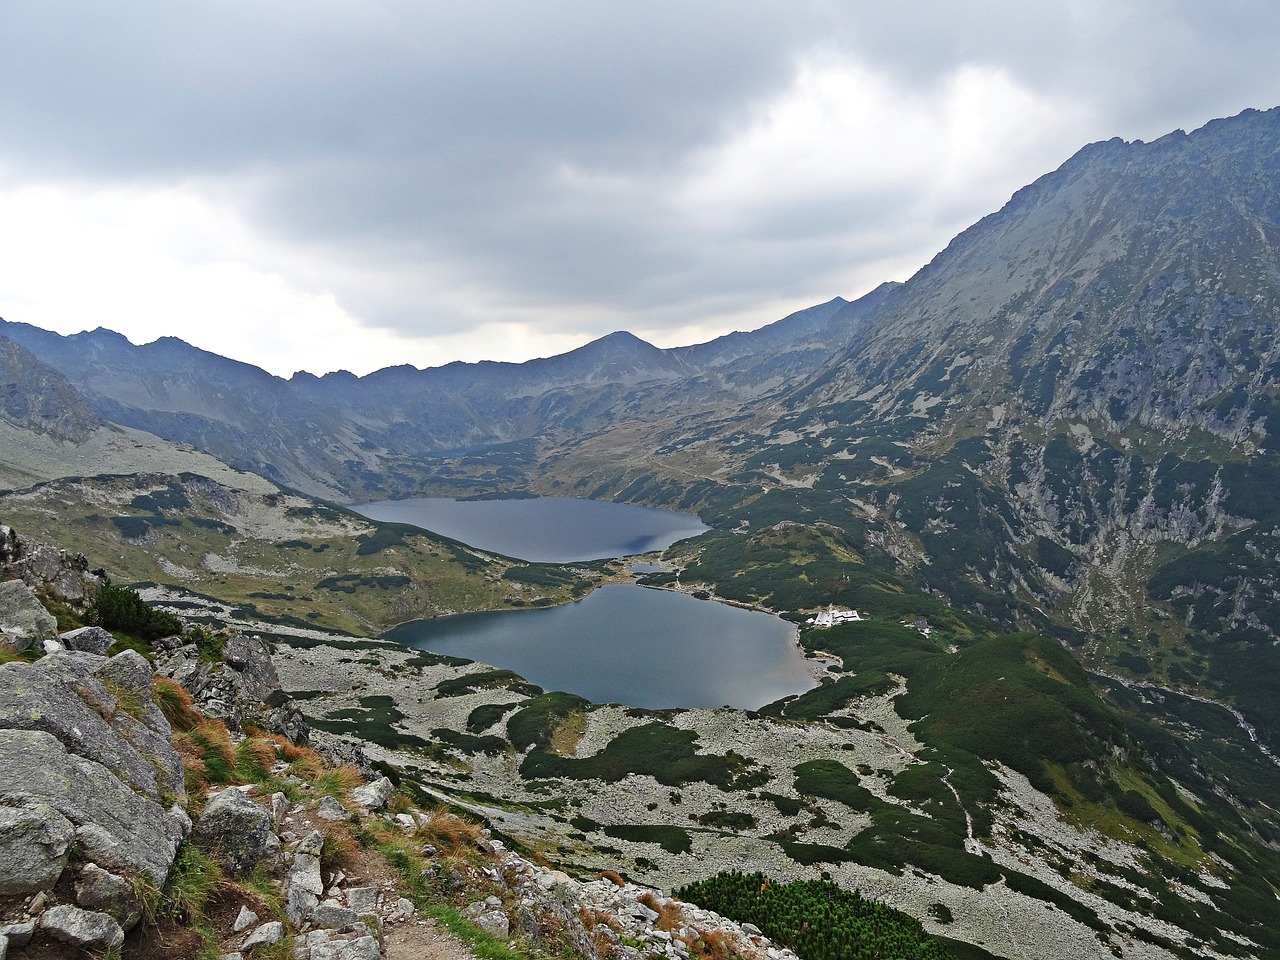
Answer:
(91, 801)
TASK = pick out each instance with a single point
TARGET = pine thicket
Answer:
(815, 918)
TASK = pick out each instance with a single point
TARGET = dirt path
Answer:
(423, 940)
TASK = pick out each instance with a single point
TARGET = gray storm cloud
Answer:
(445, 165)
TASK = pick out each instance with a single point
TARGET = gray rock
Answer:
(312, 843)
(331, 809)
(405, 908)
(526, 924)
(494, 922)
(34, 841)
(18, 934)
(362, 948)
(279, 807)
(87, 640)
(244, 919)
(98, 889)
(333, 916)
(234, 830)
(4, 947)
(179, 822)
(641, 912)
(81, 928)
(264, 936)
(23, 618)
(305, 873)
(362, 899)
(64, 697)
(116, 827)
(373, 795)
(298, 904)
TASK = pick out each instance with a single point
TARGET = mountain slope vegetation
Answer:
(1041, 467)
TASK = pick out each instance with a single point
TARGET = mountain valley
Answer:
(1041, 468)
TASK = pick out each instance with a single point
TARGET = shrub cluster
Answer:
(815, 918)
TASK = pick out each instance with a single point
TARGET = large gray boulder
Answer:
(236, 831)
(73, 697)
(34, 840)
(23, 619)
(115, 826)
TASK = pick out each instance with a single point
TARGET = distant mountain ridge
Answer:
(335, 433)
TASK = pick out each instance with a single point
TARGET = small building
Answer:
(832, 616)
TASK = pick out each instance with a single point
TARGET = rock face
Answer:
(23, 620)
(87, 760)
(34, 396)
(241, 685)
(64, 576)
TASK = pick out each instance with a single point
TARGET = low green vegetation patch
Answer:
(386, 536)
(374, 720)
(831, 695)
(135, 528)
(466, 743)
(835, 781)
(815, 918)
(538, 575)
(671, 839)
(121, 608)
(734, 820)
(668, 755)
(351, 582)
(534, 724)
(487, 714)
(487, 680)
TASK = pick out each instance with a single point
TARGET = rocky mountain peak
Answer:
(36, 397)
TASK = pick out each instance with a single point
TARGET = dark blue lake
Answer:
(628, 644)
(545, 529)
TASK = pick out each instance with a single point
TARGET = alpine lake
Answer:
(622, 643)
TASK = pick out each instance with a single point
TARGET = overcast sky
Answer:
(322, 185)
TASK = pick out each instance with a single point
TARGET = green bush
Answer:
(121, 608)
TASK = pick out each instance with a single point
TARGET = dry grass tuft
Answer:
(613, 877)
(176, 704)
(669, 915)
(451, 835)
(336, 782)
(712, 945)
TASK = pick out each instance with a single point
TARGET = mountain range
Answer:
(1058, 431)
